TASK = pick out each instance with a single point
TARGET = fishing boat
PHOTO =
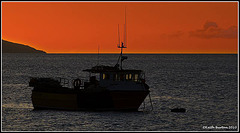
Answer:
(114, 89)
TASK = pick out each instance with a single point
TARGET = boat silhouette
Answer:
(115, 89)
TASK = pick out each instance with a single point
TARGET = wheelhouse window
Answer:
(114, 77)
(121, 77)
(136, 77)
(105, 76)
(130, 76)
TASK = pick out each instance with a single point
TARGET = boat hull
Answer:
(83, 100)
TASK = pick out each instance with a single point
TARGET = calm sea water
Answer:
(205, 85)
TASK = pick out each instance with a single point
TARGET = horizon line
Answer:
(143, 53)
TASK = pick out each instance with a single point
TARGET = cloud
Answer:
(211, 30)
(209, 25)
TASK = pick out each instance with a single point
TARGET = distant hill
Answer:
(10, 47)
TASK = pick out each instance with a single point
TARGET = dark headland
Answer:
(10, 47)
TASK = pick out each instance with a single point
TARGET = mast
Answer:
(98, 55)
(123, 43)
(125, 29)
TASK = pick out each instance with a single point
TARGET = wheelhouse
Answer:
(112, 74)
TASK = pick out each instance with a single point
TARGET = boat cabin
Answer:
(109, 75)
(113, 74)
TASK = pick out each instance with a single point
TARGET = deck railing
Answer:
(64, 82)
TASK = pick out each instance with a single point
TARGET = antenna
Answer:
(118, 45)
(122, 44)
(125, 28)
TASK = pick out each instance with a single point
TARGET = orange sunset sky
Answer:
(152, 27)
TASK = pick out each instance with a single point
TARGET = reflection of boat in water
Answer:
(115, 89)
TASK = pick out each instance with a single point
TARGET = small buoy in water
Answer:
(178, 110)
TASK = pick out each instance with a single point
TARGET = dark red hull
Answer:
(83, 100)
